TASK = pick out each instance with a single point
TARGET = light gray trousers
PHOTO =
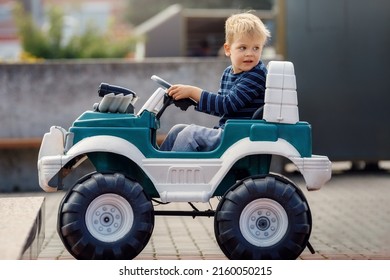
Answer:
(191, 138)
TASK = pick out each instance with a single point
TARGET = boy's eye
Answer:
(243, 48)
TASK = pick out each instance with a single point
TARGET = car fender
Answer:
(246, 147)
(105, 143)
(49, 166)
(316, 169)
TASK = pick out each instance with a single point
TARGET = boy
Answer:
(241, 91)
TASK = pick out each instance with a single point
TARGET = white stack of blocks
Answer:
(281, 102)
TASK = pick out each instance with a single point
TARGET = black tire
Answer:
(105, 216)
(263, 218)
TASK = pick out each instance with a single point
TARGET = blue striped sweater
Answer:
(239, 96)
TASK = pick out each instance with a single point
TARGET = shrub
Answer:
(49, 42)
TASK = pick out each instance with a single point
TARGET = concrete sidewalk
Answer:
(22, 231)
(351, 220)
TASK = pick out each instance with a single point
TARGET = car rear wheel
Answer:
(263, 218)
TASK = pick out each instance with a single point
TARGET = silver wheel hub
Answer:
(109, 217)
(263, 222)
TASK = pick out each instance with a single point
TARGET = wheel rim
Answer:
(263, 222)
(109, 217)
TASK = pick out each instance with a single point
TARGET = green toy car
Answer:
(109, 214)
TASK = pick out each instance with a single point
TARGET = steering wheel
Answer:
(183, 104)
(161, 82)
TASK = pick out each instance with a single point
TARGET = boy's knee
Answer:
(189, 131)
(177, 128)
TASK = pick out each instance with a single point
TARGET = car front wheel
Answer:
(263, 218)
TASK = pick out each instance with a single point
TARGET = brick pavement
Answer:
(351, 220)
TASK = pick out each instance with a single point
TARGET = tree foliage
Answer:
(141, 10)
(49, 41)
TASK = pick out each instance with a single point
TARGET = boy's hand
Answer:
(184, 91)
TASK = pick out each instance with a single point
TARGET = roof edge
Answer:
(158, 19)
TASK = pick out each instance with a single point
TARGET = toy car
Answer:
(109, 214)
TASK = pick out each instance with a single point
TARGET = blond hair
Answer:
(245, 24)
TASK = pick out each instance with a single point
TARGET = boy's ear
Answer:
(227, 49)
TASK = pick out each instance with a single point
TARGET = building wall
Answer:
(166, 41)
(340, 50)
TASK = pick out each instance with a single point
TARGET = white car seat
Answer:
(281, 102)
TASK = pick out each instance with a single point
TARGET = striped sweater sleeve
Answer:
(234, 97)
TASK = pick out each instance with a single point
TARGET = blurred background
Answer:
(55, 53)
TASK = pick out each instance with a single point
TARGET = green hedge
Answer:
(49, 42)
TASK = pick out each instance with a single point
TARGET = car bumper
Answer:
(316, 170)
(50, 158)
